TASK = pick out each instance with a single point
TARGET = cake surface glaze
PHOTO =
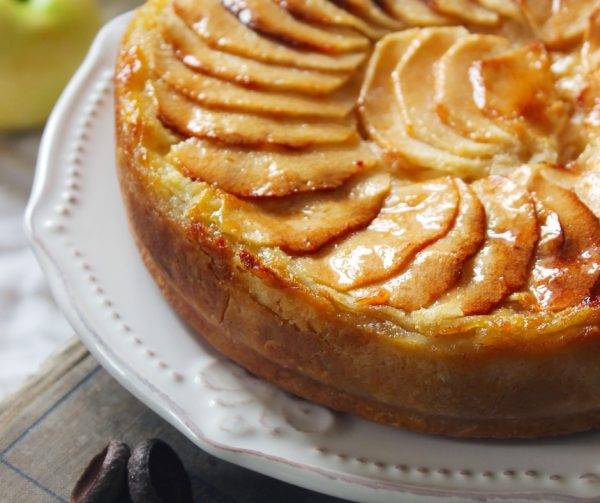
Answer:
(390, 208)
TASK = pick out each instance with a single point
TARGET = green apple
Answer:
(41, 44)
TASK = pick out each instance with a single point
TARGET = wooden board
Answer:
(51, 428)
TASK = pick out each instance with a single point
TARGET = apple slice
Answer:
(327, 13)
(502, 265)
(221, 30)
(467, 11)
(507, 8)
(438, 267)
(412, 217)
(517, 83)
(303, 223)
(558, 24)
(567, 265)
(414, 82)
(454, 97)
(181, 114)
(416, 13)
(367, 9)
(198, 55)
(272, 172)
(217, 93)
(266, 17)
(383, 120)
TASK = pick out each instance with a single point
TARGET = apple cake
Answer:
(389, 207)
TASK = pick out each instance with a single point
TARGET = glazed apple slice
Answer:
(213, 92)
(415, 13)
(266, 17)
(508, 8)
(271, 172)
(502, 265)
(454, 98)
(198, 55)
(367, 9)
(222, 30)
(414, 82)
(412, 217)
(327, 13)
(567, 264)
(467, 11)
(558, 24)
(438, 267)
(303, 223)
(189, 119)
(516, 83)
(382, 117)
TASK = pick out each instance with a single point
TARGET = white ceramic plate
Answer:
(78, 228)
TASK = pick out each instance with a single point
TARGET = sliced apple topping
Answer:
(438, 267)
(214, 92)
(327, 13)
(220, 29)
(412, 217)
(414, 80)
(384, 121)
(189, 119)
(558, 23)
(454, 96)
(416, 13)
(305, 222)
(368, 9)
(198, 55)
(266, 17)
(467, 11)
(567, 264)
(507, 8)
(271, 172)
(502, 265)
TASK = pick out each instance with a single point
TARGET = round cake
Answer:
(389, 207)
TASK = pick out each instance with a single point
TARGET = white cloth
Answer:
(31, 327)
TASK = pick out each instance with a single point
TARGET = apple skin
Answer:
(41, 44)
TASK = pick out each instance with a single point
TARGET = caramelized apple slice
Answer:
(567, 264)
(437, 268)
(381, 114)
(467, 11)
(327, 13)
(515, 83)
(415, 13)
(454, 96)
(502, 265)
(558, 23)
(220, 29)
(272, 172)
(507, 8)
(368, 10)
(190, 119)
(414, 80)
(305, 222)
(197, 54)
(266, 17)
(412, 217)
(214, 92)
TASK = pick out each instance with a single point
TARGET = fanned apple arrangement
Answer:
(396, 158)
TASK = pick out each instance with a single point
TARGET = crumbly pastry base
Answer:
(536, 395)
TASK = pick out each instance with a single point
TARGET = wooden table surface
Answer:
(52, 427)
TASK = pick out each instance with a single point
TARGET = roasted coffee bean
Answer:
(105, 478)
(156, 475)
